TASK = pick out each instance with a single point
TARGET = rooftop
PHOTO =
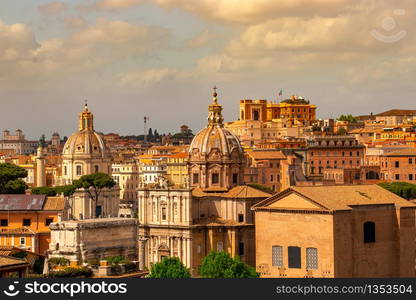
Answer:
(397, 112)
(240, 191)
(341, 197)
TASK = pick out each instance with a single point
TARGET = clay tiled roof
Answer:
(241, 191)
(267, 155)
(342, 197)
(6, 261)
(179, 155)
(398, 112)
(6, 250)
(54, 203)
(404, 152)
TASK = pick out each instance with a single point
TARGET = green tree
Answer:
(403, 189)
(67, 190)
(169, 267)
(94, 184)
(10, 179)
(222, 265)
(348, 118)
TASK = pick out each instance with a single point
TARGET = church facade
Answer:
(212, 211)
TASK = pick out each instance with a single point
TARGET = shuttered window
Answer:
(294, 258)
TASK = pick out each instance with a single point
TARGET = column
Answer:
(188, 252)
(142, 252)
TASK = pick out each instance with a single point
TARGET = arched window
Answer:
(79, 170)
(369, 232)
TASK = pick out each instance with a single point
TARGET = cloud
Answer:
(113, 5)
(52, 8)
(249, 12)
(16, 42)
(98, 45)
(200, 40)
(148, 77)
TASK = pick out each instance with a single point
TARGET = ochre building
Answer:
(335, 231)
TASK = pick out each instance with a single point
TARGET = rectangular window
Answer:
(410, 176)
(241, 249)
(240, 218)
(22, 241)
(48, 221)
(294, 258)
(215, 178)
(277, 256)
(410, 160)
(311, 258)
(397, 176)
(4, 222)
(26, 222)
(235, 178)
(396, 164)
(164, 213)
(195, 178)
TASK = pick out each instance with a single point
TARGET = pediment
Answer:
(294, 201)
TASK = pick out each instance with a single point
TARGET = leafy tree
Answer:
(169, 267)
(94, 184)
(403, 189)
(348, 118)
(222, 265)
(67, 190)
(10, 179)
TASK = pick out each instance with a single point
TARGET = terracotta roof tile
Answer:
(403, 152)
(241, 191)
(54, 203)
(267, 155)
(6, 261)
(342, 197)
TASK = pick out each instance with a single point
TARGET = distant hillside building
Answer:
(17, 143)
(396, 117)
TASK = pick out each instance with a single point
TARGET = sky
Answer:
(161, 58)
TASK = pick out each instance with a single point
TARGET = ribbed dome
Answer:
(86, 141)
(217, 137)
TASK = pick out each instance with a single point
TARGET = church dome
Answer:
(86, 141)
(215, 136)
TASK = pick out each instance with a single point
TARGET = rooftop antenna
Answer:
(146, 119)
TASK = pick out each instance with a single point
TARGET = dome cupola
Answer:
(215, 154)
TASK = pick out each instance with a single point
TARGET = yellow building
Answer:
(335, 231)
(177, 169)
(296, 110)
(261, 121)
